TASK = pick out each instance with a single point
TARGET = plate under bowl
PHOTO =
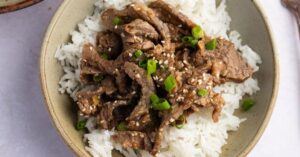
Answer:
(12, 5)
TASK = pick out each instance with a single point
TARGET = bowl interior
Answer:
(249, 22)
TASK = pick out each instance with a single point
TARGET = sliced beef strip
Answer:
(107, 17)
(225, 62)
(110, 43)
(133, 139)
(138, 11)
(86, 98)
(105, 118)
(91, 58)
(140, 117)
(87, 73)
(137, 34)
(149, 15)
(169, 14)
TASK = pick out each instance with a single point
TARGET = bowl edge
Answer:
(267, 117)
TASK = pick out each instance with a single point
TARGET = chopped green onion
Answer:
(143, 64)
(187, 39)
(105, 56)
(179, 126)
(202, 92)
(197, 32)
(117, 21)
(138, 53)
(151, 66)
(122, 126)
(190, 41)
(170, 83)
(98, 78)
(179, 122)
(211, 45)
(247, 104)
(81, 125)
(182, 119)
(161, 105)
(154, 99)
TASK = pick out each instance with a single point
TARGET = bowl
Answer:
(251, 22)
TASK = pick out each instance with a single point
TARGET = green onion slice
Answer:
(161, 105)
(81, 125)
(154, 99)
(247, 104)
(151, 66)
(98, 77)
(179, 126)
(197, 32)
(143, 64)
(191, 41)
(138, 53)
(105, 56)
(202, 92)
(122, 126)
(117, 21)
(211, 45)
(170, 83)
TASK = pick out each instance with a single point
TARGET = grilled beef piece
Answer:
(224, 61)
(140, 117)
(109, 43)
(91, 59)
(133, 139)
(105, 118)
(169, 14)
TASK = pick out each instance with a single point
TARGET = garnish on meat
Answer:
(150, 70)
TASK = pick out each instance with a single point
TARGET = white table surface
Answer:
(26, 129)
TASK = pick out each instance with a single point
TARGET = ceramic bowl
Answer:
(248, 18)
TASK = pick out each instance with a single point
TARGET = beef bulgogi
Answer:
(150, 69)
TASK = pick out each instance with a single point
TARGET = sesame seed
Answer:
(138, 76)
(130, 54)
(160, 62)
(199, 82)
(161, 79)
(109, 49)
(166, 62)
(168, 55)
(116, 26)
(163, 41)
(137, 124)
(185, 91)
(122, 35)
(172, 120)
(180, 26)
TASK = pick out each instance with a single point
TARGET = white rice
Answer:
(200, 137)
